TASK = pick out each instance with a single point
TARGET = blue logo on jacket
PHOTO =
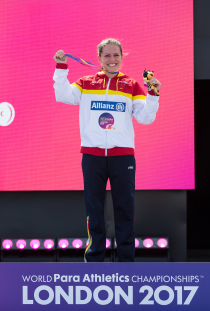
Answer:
(105, 105)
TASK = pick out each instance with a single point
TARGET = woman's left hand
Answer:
(156, 82)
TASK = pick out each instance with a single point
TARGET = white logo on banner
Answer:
(7, 114)
(88, 290)
(120, 107)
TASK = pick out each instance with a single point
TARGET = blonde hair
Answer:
(105, 42)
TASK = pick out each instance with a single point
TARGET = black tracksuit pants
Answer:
(121, 172)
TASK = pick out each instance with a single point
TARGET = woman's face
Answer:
(111, 58)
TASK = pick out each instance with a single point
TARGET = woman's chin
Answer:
(112, 69)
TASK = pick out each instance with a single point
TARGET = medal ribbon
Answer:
(88, 64)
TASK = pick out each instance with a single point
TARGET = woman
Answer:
(108, 100)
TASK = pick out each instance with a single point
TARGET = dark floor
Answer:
(193, 255)
(198, 255)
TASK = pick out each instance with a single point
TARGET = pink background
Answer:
(39, 150)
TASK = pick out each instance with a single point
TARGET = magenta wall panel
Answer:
(39, 148)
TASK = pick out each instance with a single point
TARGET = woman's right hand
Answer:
(60, 57)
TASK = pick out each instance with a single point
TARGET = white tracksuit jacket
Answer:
(107, 106)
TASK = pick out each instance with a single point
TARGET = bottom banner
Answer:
(104, 286)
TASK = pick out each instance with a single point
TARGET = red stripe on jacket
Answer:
(61, 66)
(116, 151)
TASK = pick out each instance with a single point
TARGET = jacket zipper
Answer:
(107, 89)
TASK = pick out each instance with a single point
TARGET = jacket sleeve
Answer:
(64, 91)
(144, 107)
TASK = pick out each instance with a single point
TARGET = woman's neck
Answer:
(110, 75)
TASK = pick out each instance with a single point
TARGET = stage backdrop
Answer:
(40, 139)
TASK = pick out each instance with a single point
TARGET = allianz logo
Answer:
(106, 105)
(101, 105)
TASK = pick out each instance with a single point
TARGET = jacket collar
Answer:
(101, 74)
